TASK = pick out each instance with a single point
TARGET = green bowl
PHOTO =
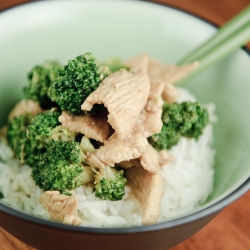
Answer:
(61, 30)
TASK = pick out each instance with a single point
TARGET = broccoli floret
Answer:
(60, 133)
(169, 135)
(43, 129)
(42, 125)
(27, 135)
(76, 81)
(40, 78)
(180, 119)
(1, 195)
(16, 136)
(195, 118)
(25, 149)
(60, 167)
(110, 184)
(38, 134)
(167, 138)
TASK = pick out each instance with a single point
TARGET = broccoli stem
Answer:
(110, 184)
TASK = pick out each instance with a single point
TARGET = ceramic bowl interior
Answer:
(61, 30)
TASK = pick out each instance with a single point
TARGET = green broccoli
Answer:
(43, 129)
(16, 136)
(40, 78)
(167, 138)
(60, 167)
(27, 135)
(1, 195)
(38, 133)
(76, 81)
(195, 118)
(180, 119)
(110, 184)
(60, 133)
(42, 125)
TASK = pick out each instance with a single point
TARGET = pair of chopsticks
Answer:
(231, 36)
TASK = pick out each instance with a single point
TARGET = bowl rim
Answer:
(215, 208)
(211, 209)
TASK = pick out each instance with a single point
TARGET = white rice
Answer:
(188, 181)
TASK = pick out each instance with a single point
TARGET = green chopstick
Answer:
(228, 39)
(222, 34)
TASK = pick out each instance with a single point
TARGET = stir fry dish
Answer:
(108, 125)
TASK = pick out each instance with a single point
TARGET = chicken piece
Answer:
(130, 163)
(149, 160)
(148, 189)
(179, 72)
(24, 107)
(149, 121)
(155, 102)
(138, 64)
(92, 126)
(72, 220)
(115, 151)
(124, 94)
(169, 73)
(164, 157)
(170, 93)
(59, 206)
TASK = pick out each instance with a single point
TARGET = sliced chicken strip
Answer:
(179, 72)
(169, 73)
(149, 160)
(138, 64)
(72, 220)
(170, 93)
(92, 126)
(25, 107)
(59, 205)
(124, 94)
(149, 121)
(164, 157)
(115, 151)
(130, 163)
(159, 71)
(148, 189)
